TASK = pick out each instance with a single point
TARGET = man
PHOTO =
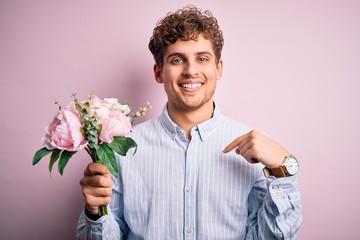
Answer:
(185, 182)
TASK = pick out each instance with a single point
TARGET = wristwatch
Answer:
(289, 167)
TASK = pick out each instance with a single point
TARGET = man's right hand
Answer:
(96, 187)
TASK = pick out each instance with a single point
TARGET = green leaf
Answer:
(92, 145)
(121, 145)
(40, 154)
(64, 158)
(107, 157)
(93, 132)
(54, 157)
(90, 138)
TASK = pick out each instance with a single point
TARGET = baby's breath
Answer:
(141, 112)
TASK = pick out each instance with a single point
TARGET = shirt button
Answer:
(279, 219)
(188, 189)
(181, 132)
(275, 187)
(189, 230)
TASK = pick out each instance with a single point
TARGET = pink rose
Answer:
(114, 124)
(64, 132)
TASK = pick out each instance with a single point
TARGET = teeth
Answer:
(194, 85)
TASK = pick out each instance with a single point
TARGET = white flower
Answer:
(111, 101)
(113, 105)
(124, 108)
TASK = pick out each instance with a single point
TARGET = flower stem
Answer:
(92, 152)
(103, 210)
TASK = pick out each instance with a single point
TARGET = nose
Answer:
(190, 69)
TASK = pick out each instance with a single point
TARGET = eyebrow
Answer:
(182, 54)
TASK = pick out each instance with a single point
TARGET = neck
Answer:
(187, 119)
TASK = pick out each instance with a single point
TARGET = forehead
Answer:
(190, 47)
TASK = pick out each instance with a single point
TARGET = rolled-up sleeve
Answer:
(274, 209)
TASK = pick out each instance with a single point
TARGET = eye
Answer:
(177, 60)
(202, 59)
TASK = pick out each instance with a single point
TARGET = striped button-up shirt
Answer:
(172, 188)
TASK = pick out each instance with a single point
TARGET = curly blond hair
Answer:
(185, 24)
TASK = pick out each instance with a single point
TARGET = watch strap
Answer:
(278, 172)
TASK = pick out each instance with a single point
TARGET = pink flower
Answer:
(98, 106)
(115, 123)
(64, 132)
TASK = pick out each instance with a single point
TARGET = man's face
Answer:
(189, 74)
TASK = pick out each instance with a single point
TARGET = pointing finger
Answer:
(233, 144)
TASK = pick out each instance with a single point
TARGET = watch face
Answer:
(291, 165)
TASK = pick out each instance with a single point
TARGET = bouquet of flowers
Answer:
(97, 125)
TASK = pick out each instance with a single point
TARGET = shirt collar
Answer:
(204, 129)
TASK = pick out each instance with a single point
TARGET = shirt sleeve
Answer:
(108, 227)
(104, 228)
(274, 209)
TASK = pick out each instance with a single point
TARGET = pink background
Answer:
(291, 69)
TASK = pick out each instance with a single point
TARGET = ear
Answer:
(219, 69)
(157, 74)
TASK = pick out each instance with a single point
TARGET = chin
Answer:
(192, 106)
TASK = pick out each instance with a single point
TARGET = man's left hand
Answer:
(257, 147)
